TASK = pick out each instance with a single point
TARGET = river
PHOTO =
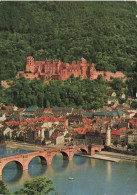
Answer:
(91, 176)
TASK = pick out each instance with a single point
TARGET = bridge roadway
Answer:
(46, 155)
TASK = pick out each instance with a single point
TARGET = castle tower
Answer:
(92, 71)
(58, 66)
(83, 68)
(30, 65)
(107, 76)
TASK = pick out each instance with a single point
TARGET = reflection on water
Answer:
(36, 167)
(92, 163)
(10, 173)
(109, 171)
(91, 176)
(79, 161)
(58, 163)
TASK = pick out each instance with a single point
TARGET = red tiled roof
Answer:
(61, 119)
(115, 132)
(43, 119)
(83, 131)
(39, 128)
(21, 109)
(87, 121)
(133, 121)
(12, 123)
(122, 128)
(23, 123)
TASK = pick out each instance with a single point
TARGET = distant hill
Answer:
(102, 32)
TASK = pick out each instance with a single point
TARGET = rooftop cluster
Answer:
(59, 126)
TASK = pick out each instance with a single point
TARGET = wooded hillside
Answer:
(102, 32)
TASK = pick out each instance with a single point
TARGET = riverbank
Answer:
(111, 156)
(119, 155)
(27, 146)
(21, 145)
(103, 157)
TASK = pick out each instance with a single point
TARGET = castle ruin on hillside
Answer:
(56, 70)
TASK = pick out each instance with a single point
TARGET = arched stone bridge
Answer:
(46, 155)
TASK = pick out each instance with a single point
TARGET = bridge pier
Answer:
(92, 151)
(71, 156)
(25, 166)
(49, 158)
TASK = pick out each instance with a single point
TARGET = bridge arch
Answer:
(37, 165)
(84, 150)
(64, 154)
(42, 158)
(60, 161)
(18, 164)
(81, 150)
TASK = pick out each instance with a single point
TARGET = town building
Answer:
(132, 137)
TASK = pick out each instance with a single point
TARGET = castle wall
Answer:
(52, 70)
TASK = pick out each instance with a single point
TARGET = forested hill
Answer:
(104, 33)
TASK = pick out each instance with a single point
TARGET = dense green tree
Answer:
(117, 84)
(73, 92)
(36, 186)
(3, 188)
(134, 105)
(132, 85)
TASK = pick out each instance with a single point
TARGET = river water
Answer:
(91, 177)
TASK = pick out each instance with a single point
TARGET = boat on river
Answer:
(70, 178)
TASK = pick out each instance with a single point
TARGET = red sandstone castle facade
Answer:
(55, 70)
